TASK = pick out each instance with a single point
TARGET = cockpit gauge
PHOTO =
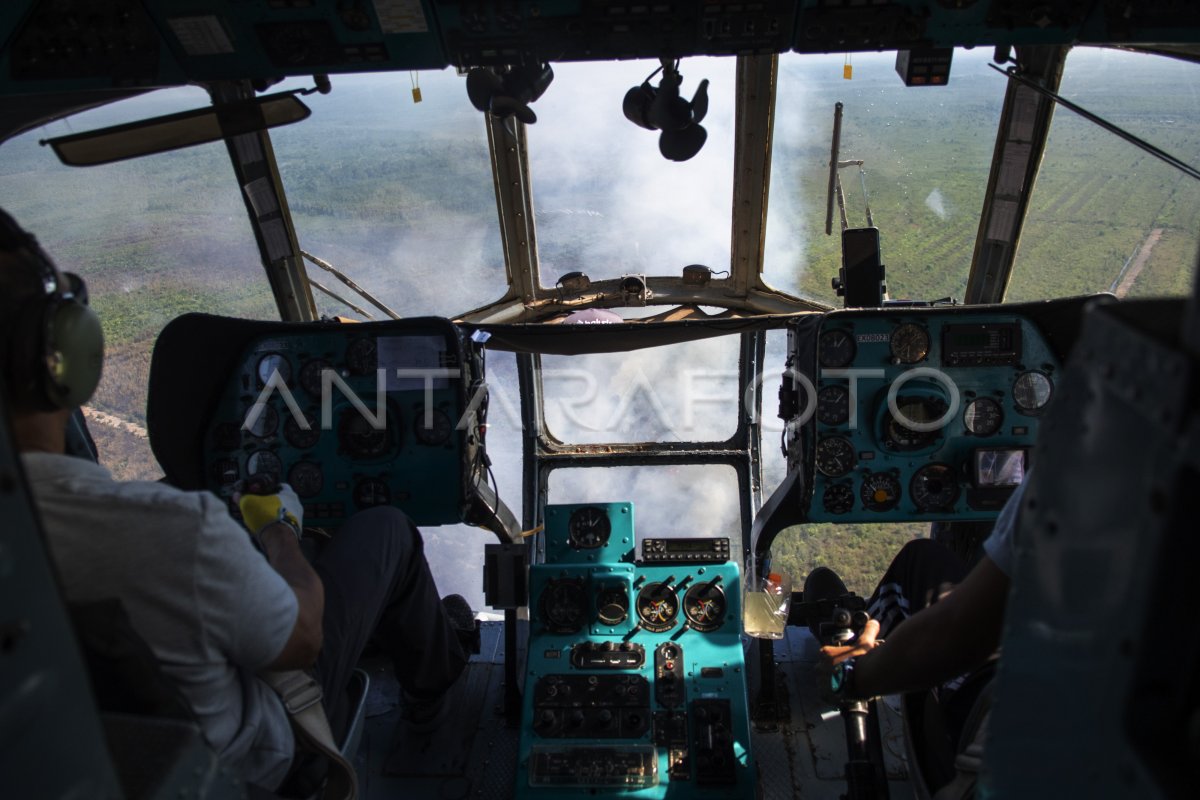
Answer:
(1031, 392)
(563, 605)
(361, 358)
(934, 488)
(432, 426)
(838, 498)
(704, 606)
(266, 422)
(359, 437)
(835, 456)
(612, 605)
(657, 606)
(299, 438)
(833, 405)
(921, 410)
(588, 528)
(835, 348)
(310, 375)
(227, 436)
(909, 343)
(224, 471)
(983, 416)
(306, 478)
(371, 492)
(880, 491)
(271, 363)
(264, 464)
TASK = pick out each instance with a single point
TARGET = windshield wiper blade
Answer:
(1142, 144)
(340, 299)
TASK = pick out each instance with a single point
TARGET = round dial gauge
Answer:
(271, 363)
(909, 343)
(265, 423)
(1031, 392)
(360, 357)
(704, 606)
(835, 456)
(838, 498)
(227, 436)
(298, 437)
(224, 471)
(934, 488)
(983, 416)
(359, 438)
(833, 405)
(264, 464)
(310, 375)
(306, 478)
(657, 607)
(880, 491)
(370, 492)
(835, 348)
(437, 431)
(612, 605)
(921, 410)
(588, 528)
(563, 605)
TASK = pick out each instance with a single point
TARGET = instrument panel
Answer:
(635, 676)
(352, 417)
(918, 413)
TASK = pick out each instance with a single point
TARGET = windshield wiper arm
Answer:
(1161, 155)
(325, 265)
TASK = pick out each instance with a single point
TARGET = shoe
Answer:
(462, 620)
(422, 713)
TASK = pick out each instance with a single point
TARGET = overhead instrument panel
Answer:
(79, 45)
(921, 413)
(635, 678)
(352, 417)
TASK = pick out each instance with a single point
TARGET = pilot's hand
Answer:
(261, 510)
(832, 662)
(865, 642)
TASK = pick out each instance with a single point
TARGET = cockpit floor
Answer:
(471, 753)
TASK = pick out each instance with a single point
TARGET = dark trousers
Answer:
(920, 573)
(377, 582)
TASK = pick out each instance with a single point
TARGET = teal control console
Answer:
(353, 416)
(635, 682)
(914, 413)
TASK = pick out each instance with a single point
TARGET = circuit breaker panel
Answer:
(635, 680)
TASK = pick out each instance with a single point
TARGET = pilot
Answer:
(216, 604)
(940, 622)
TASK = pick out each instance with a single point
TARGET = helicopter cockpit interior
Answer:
(627, 648)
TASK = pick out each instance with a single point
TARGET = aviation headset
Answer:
(55, 346)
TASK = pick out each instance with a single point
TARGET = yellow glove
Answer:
(260, 510)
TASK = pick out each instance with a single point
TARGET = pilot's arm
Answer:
(275, 522)
(938, 643)
(944, 640)
(282, 549)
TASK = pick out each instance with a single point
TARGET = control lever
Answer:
(865, 777)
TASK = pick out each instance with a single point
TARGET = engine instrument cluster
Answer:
(635, 678)
(917, 413)
(353, 416)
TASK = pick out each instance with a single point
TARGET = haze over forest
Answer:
(400, 197)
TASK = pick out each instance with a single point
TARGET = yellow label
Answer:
(848, 71)
(416, 94)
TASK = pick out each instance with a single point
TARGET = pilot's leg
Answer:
(377, 580)
(918, 576)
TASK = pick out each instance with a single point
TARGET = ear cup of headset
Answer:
(680, 145)
(482, 86)
(74, 354)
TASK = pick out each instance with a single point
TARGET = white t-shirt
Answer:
(210, 606)
(999, 545)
